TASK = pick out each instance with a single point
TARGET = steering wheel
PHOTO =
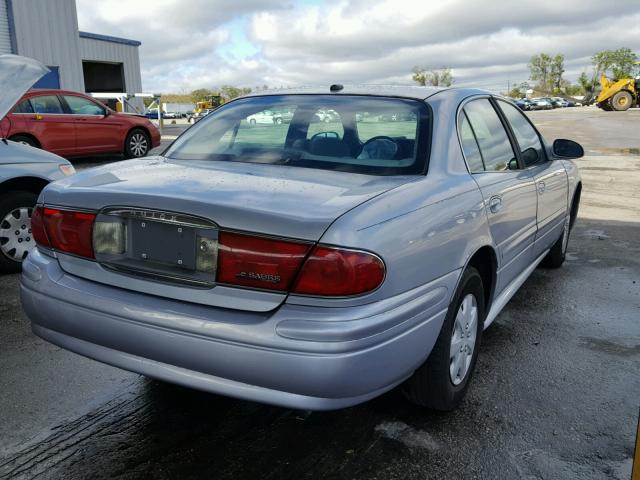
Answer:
(380, 147)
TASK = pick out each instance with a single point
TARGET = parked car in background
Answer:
(193, 117)
(312, 266)
(152, 114)
(523, 104)
(72, 124)
(540, 104)
(24, 171)
(559, 102)
(270, 117)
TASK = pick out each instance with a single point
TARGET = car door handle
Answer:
(541, 187)
(495, 204)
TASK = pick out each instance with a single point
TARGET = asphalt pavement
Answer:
(556, 393)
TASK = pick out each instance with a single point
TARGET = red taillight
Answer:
(37, 227)
(335, 272)
(67, 231)
(258, 262)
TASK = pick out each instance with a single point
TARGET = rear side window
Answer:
(470, 146)
(527, 137)
(82, 106)
(23, 107)
(492, 138)
(350, 133)
(47, 104)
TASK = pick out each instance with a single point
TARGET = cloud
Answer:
(202, 43)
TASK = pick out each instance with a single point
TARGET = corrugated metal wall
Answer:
(47, 30)
(101, 51)
(5, 31)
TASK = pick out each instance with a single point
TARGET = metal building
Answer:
(47, 30)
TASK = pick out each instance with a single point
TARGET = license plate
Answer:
(163, 243)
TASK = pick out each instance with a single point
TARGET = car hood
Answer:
(17, 75)
(12, 153)
(269, 199)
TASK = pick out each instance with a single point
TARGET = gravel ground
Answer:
(555, 395)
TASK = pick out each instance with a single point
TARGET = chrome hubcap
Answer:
(15, 234)
(463, 339)
(138, 145)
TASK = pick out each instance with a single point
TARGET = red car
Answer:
(72, 124)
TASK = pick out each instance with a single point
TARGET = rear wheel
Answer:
(137, 144)
(621, 101)
(442, 380)
(557, 254)
(25, 140)
(16, 240)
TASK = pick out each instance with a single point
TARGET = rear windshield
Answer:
(360, 134)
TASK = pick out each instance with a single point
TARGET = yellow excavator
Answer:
(212, 101)
(619, 94)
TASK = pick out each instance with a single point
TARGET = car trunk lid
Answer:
(265, 200)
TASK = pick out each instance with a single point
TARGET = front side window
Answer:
(492, 138)
(359, 134)
(82, 106)
(47, 104)
(527, 137)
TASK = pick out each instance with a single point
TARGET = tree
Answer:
(434, 77)
(200, 95)
(620, 63)
(556, 71)
(540, 68)
(586, 84)
(229, 92)
(515, 92)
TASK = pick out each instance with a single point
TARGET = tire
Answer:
(190, 120)
(25, 140)
(137, 144)
(15, 216)
(621, 101)
(437, 384)
(555, 257)
(277, 121)
(605, 105)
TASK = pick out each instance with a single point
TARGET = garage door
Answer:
(5, 35)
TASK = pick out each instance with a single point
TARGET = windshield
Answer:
(360, 134)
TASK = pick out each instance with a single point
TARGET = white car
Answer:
(266, 117)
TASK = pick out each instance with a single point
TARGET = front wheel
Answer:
(137, 144)
(16, 240)
(621, 101)
(442, 380)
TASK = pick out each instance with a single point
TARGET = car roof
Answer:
(403, 91)
(52, 91)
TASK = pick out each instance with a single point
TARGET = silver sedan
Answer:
(307, 264)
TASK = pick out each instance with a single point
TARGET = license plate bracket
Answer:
(164, 243)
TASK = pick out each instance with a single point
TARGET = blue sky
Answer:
(189, 44)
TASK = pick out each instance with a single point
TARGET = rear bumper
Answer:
(191, 345)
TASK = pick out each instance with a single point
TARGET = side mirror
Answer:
(567, 148)
(107, 112)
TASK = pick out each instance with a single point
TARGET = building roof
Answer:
(109, 38)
